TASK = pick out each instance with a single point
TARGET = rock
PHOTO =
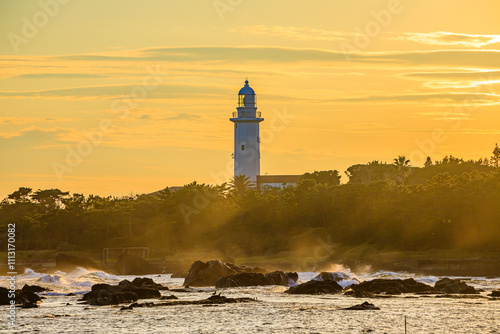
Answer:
(132, 265)
(364, 306)
(124, 292)
(358, 294)
(207, 273)
(495, 293)
(392, 286)
(329, 276)
(34, 288)
(147, 283)
(20, 297)
(68, 263)
(257, 279)
(30, 305)
(168, 297)
(448, 285)
(212, 300)
(126, 308)
(315, 288)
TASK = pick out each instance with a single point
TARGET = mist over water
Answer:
(274, 312)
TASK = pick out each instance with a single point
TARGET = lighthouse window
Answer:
(242, 147)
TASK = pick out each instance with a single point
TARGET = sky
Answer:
(113, 97)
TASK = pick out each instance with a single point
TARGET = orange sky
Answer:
(113, 97)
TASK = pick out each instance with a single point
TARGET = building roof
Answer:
(247, 90)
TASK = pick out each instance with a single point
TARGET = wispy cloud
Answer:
(294, 33)
(451, 39)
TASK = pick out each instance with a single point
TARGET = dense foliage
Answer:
(450, 204)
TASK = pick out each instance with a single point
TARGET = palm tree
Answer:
(240, 184)
(402, 168)
(401, 161)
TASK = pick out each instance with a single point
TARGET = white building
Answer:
(246, 135)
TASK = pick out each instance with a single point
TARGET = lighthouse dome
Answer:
(247, 90)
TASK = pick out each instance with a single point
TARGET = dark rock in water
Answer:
(315, 288)
(358, 294)
(364, 306)
(332, 276)
(392, 286)
(126, 308)
(147, 283)
(71, 294)
(124, 292)
(30, 305)
(257, 279)
(495, 293)
(207, 273)
(132, 265)
(168, 297)
(448, 285)
(34, 288)
(213, 300)
(186, 289)
(68, 263)
(21, 297)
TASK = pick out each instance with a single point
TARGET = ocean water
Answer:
(273, 312)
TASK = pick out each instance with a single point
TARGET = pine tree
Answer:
(495, 158)
(428, 162)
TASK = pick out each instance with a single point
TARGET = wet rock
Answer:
(124, 292)
(168, 297)
(257, 279)
(132, 265)
(34, 288)
(146, 282)
(68, 263)
(207, 273)
(332, 276)
(358, 294)
(126, 308)
(495, 293)
(213, 300)
(448, 285)
(30, 305)
(315, 288)
(364, 306)
(393, 286)
(20, 297)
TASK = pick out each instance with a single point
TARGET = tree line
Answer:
(449, 204)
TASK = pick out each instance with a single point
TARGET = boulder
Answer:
(328, 276)
(124, 292)
(132, 265)
(20, 297)
(364, 306)
(495, 293)
(448, 285)
(257, 279)
(391, 286)
(207, 273)
(68, 263)
(315, 288)
(34, 288)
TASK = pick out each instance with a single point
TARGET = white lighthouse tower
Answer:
(246, 135)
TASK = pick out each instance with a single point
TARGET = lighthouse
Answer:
(246, 134)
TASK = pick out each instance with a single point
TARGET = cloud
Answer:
(294, 33)
(59, 76)
(119, 91)
(451, 39)
(468, 75)
(477, 98)
(181, 116)
(26, 120)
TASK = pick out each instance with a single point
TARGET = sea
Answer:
(273, 311)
